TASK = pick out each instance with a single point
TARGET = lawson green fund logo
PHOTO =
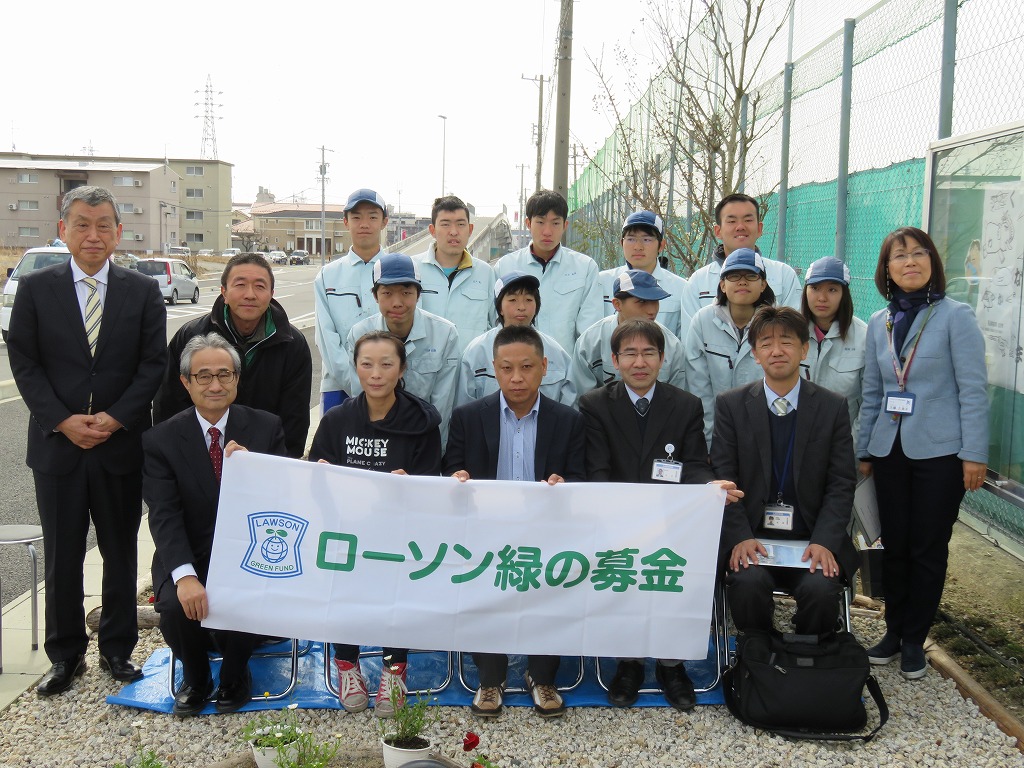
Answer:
(274, 539)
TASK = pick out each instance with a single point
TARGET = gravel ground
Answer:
(930, 725)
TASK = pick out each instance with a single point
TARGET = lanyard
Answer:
(903, 372)
(781, 479)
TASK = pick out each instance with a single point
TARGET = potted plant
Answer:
(273, 737)
(401, 737)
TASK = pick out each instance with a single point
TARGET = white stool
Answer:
(27, 535)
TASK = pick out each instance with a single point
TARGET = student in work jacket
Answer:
(838, 364)
(670, 312)
(718, 358)
(467, 299)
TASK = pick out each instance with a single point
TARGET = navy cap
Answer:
(365, 196)
(644, 219)
(828, 268)
(395, 269)
(639, 285)
(507, 281)
(743, 260)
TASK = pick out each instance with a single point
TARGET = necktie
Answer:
(216, 452)
(642, 405)
(93, 313)
(781, 406)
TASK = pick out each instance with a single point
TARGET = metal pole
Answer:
(561, 174)
(323, 204)
(540, 127)
(521, 223)
(444, 149)
(948, 65)
(787, 113)
(842, 177)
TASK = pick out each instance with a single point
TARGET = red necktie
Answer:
(216, 453)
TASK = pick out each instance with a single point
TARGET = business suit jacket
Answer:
(181, 490)
(823, 465)
(56, 374)
(616, 450)
(475, 434)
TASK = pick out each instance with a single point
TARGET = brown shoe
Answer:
(487, 702)
(547, 702)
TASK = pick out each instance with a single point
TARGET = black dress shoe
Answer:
(625, 687)
(677, 686)
(190, 700)
(233, 695)
(121, 669)
(60, 676)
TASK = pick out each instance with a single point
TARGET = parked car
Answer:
(31, 260)
(179, 251)
(205, 252)
(175, 277)
(299, 257)
(126, 260)
(277, 257)
(229, 252)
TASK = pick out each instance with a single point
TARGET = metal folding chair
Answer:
(26, 535)
(294, 653)
(516, 689)
(333, 688)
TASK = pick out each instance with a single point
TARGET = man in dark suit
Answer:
(516, 434)
(181, 484)
(641, 430)
(787, 444)
(87, 349)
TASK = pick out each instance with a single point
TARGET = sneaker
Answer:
(625, 686)
(885, 650)
(351, 686)
(913, 663)
(677, 686)
(391, 692)
(546, 700)
(487, 702)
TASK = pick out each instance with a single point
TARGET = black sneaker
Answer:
(677, 686)
(885, 650)
(913, 663)
(625, 687)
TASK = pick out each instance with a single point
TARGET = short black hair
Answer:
(642, 229)
(518, 334)
(649, 331)
(417, 286)
(258, 259)
(514, 290)
(545, 201)
(736, 197)
(782, 318)
(447, 203)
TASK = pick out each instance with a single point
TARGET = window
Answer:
(174, 237)
(127, 235)
(124, 181)
(28, 205)
(195, 193)
(28, 178)
(174, 186)
(124, 208)
(313, 224)
(194, 237)
(193, 215)
(28, 231)
(194, 170)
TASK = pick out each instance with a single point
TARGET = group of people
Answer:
(738, 376)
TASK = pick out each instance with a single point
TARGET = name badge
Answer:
(778, 517)
(901, 403)
(667, 471)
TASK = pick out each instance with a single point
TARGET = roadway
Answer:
(293, 289)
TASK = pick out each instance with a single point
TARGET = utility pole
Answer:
(540, 120)
(323, 203)
(561, 178)
(522, 224)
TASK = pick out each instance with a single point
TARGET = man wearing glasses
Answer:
(182, 465)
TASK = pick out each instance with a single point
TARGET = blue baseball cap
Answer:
(365, 196)
(828, 268)
(639, 285)
(395, 269)
(743, 260)
(506, 281)
(644, 219)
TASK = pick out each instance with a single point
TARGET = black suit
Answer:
(474, 438)
(618, 452)
(182, 491)
(824, 477)
(57, 376)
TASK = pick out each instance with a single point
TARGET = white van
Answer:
(33, 259)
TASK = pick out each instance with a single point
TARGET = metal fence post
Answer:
(948, 65)
(843, 175)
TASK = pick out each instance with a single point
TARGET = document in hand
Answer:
(865, 509)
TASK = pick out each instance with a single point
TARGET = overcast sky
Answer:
(367, 84)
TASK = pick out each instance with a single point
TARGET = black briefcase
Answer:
(802, 686)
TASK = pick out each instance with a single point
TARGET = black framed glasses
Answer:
(224, 377)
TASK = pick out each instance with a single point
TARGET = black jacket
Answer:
(277, 377)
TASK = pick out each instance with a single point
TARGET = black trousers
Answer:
(66, 504)
(752, 606)
(347, 652)
(918, 502)
(191, 642)
(493, 669)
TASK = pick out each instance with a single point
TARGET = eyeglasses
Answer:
(640, 240)
(735, 277)
(224, 377)
(649, 356)
(919, 255)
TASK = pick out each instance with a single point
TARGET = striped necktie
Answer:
(781, 406)
(93, 313)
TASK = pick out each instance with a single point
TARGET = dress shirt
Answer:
(791, 397)
(82, 290)
(518, 442)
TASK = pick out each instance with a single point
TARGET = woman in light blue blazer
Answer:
(923, 434)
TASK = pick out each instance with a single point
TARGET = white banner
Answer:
(330, 553)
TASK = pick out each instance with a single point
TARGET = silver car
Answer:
(176, 278)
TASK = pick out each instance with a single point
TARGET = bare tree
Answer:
(686, 139)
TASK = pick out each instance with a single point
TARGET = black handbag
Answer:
(802, 686)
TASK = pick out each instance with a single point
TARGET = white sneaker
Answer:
(391, 692)
(351, 686)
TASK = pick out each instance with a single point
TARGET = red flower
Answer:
(471, 742)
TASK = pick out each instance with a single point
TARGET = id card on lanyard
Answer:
(900, 402)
